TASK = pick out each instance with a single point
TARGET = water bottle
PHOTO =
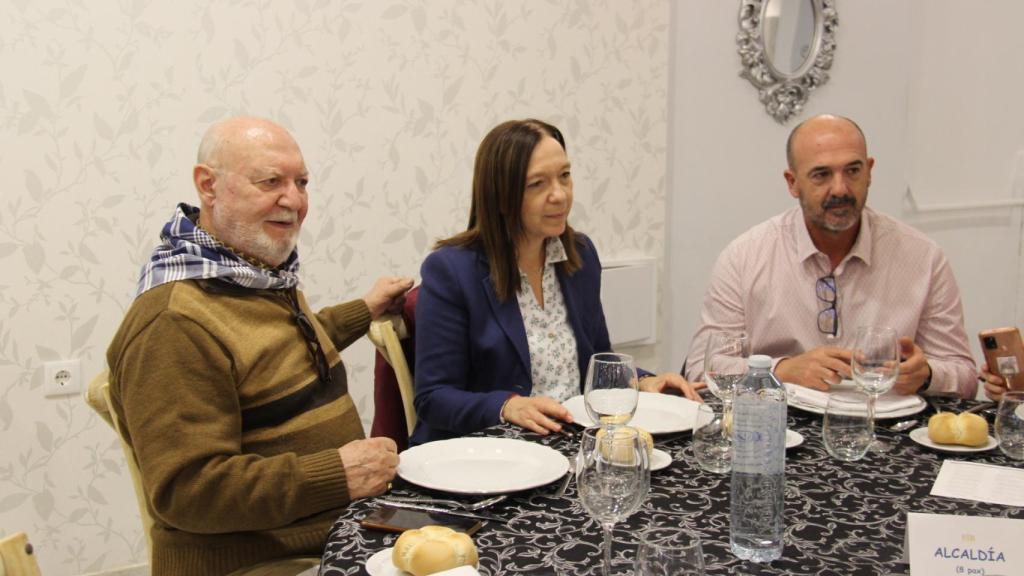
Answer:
(758, 464)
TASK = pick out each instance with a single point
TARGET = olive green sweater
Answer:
(235, 436)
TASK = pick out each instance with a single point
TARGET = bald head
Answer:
(225, 139)
(814, 126)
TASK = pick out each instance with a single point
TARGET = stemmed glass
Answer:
(611, 389)
(875, 364)
(613, 477)
(725, 364)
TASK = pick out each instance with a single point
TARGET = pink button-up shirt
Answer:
(764, 283)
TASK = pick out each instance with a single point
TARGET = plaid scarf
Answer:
(188, 252)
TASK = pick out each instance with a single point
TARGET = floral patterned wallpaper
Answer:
(103, 102)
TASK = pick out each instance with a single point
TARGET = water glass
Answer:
(712, 439)
(611, 389)
(848, 428)
(613, 477)
(669, 552)
(1010, 424)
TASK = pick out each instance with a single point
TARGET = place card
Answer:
(950, 545)
(980, 482)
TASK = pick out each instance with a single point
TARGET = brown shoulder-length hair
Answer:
(495, 217)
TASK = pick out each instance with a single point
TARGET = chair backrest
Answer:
(97, 396)
(17, 558)
(393, 335)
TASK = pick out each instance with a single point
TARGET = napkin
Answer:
(887, 403)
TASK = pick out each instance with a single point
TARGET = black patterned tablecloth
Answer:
(842, 518)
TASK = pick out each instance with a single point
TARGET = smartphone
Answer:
(1004, 353)
(400, 519)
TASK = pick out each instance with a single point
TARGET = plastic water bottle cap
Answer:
(759, 361)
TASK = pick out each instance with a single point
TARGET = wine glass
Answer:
(611, 389)
(725, 363)
(669, 552)
(847, 430)
(1010, 424)
(875, 363)
(613, 477)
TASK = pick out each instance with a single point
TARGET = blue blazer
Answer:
(471, 350)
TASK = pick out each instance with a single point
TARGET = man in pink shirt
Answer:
(802, 282)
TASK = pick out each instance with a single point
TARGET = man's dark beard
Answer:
(838, 201)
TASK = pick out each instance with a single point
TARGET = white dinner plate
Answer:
(655, 413)
(481, 465)
(793, 438)
(380, 565)
(920, 435)
(814, 401)
(660, 460)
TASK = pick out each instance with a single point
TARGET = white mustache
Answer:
(285, 217)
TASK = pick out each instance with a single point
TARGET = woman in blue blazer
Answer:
(509, 311)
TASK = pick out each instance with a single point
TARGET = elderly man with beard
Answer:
(802, 282)
(228, 387)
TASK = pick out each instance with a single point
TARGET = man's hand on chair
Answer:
(387, 295)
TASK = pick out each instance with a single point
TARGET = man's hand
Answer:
(537, 413)
(369, 465)
(819, 369)
(670, 381)
(995, 386)
(914, 368)
(387, 295)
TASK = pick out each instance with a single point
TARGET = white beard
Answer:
(250, 239)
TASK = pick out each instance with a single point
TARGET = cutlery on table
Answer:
(467, 506)
(568, 478)
(903, 425)
(980, 407)
(440, 510)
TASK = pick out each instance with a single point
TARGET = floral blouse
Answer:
(554, 366)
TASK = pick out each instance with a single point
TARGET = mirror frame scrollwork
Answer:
(784, 95)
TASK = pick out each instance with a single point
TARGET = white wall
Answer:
(966, 122)
(102, 104)
(934, 85)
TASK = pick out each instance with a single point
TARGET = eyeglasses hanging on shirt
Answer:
(828, 319)
(309, 335)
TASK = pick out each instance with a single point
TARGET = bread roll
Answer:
(624, 432)
(965, 429)
(433, 549)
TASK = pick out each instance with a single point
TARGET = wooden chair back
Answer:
(97, 396)
(17, 557)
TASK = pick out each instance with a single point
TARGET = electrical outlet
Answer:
(62, 378)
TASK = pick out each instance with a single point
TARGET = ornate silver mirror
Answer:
(786, 47)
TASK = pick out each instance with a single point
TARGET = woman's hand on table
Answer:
(369, 465)
(670, 381)
(537, 413)
(995, 386)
